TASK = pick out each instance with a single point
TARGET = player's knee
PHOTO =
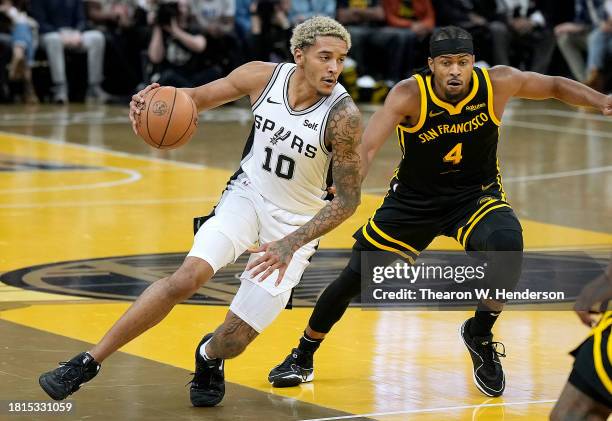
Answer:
(505, 240)
(334, 300)
(187, 279)
(344, 288)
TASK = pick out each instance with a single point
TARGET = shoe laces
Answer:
(72, 373)
(291, 360)
(493, 351)
(202, 375)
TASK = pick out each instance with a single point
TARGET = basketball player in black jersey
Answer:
(448, 183)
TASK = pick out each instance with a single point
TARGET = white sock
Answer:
(203, 351)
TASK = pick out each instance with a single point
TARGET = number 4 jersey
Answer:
(285, 158)
(452, 148)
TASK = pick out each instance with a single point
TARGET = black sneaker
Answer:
(297, 368)
(69, 376)
(488, 372)
(208, 384)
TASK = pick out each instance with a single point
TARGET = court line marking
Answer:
(133, 176)
(428, 410)
(535, 177)
(140, 157)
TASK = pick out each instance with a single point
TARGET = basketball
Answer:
(168, 119)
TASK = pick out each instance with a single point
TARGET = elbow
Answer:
(155, 56)
(200, 45)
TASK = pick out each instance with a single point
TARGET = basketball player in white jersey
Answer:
(305, 125)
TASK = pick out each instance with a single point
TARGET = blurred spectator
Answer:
(304, 9)
(529, 35)
(216, 20)
(271, 29)
(23, 28)
(62, 26)
(121, 21)
(412, 21)
(373, 43)
(482, 20)
(177, 45)
(572, 37)
(242, 26)
(600, 49)
(6, 46)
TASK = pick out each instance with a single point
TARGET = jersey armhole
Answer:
(490, 98)
(268, 86)
(423, 113)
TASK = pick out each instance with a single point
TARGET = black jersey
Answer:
(452, 150)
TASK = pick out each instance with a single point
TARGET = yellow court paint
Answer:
(373, 362)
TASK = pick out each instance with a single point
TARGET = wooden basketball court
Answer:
(89, 215)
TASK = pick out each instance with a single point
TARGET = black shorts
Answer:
(408, 221)
(592, 371)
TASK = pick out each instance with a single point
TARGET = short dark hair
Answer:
(449, 32)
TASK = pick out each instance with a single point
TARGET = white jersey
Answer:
(285, 158)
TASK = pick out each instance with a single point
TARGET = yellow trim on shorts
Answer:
(499, 179)
(383, 247)
(467, 233)
(494, 118)
(423, 114)
(454, 109)
(474, 215)
(391, 239)
(598, 358)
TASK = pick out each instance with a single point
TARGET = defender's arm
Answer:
(402, 103)
(509, 82)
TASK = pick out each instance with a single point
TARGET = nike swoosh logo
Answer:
(432, 114)
(271, 102)
(487, 186)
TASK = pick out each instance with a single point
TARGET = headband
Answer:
(451, 46)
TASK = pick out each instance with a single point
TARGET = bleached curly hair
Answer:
(306, 33)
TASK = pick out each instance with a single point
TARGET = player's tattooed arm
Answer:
(343, 133)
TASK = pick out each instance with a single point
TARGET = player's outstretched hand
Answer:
(607, 108)
(277, 255)
(137, 104)
(593, 299)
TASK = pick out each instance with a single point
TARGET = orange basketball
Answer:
(168, 119)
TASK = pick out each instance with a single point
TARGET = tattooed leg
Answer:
(231, 338)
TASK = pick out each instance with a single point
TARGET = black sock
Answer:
(482, 322)
(308, 344)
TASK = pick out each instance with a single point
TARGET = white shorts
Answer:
(256, 306)
(242, 219)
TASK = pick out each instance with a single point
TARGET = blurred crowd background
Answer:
(105, 50)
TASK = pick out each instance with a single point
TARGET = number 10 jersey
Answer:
(285, 157)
